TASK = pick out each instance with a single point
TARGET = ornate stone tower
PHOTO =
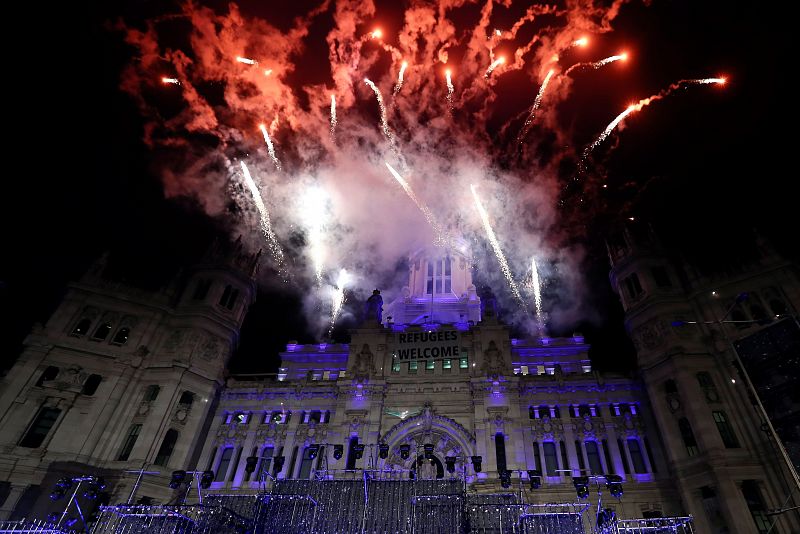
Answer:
(721, 460)
(121, 379)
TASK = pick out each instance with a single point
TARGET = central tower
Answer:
(439, 289)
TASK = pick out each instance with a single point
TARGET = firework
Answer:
(597, 64)
(173, 81)
(501, 259)
(266, 226)
(379, 98)
(399, 83)
(270, 148)
(313, 211)
(246, 61)
(536, 103)
(377, 33)
(641, 104)
(537, 295)
(583, 41)
(496, 63)
(267, 72)
(441, 237)
(333, 115)
(338, 297)
(449, 89)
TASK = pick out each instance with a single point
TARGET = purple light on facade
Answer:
(545, 340)
(291, 347)
(323, 346)
(577, 338)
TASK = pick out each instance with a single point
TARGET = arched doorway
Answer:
(428, 469)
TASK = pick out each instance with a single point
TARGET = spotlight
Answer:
(581, 487)
(614, 484)
(65, 483)
(505, 478)
(450, 462)
(250, 464)
(605, 517)
(206, 479)
(313, 450)
(71, 521)
(383, 451)
(428, 447)
(276, 417)
(177, 479)
(358, 451)
(58, 493)
(404, 450)
(476, 463)
(535, 477)
(338, 451)
(278, 463)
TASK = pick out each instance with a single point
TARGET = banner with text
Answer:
(440, 345)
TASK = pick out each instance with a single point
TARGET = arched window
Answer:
(351, 457)
(91, 384)
(593, 455)
(82, 327)
(102, 331)
(688, 436)
(500, 451)
(151, 392)
(167, 446)
(121, 337)
(48, 374)
(224, 464)
(187, 397)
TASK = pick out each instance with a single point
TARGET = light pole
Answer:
(741, 297)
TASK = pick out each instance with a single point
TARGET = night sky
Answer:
(704, 168)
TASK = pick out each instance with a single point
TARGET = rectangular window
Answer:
(224, 464)
(130, 441)
(305, 464)
(395, 367)
(755, 503)
(579, 451)
(607, 455)
(564, 457)
(523, 369)
(235, 464)
(40, 427)
(593, 455)
(725, 430)
(463, 363)
(536, 455)
(500, 450)
(632, 286)
(412, 366)
(650, 456)
(447, 364)
(246, 473)
(550, 460)
(661, 277)
(636, 456)
(430, 365)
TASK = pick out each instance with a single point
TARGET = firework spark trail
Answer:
(496, 246)
(313, 212)
(338, 298)
(536, 103)
(450, 89)
(641, 104)
(246, 61)
(537, 295)
(441, 235)
(596, 64)
(173, 81)
(266, 226)
(496, 63)
(333, 116)
(399, 83)
(583, 41)
(270, 148)
(379, 98)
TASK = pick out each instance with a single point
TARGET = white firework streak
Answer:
(333, 115)
(441, 235)
(496, 63)
(246, 61)
(450, 89)
(338, 298)
(602, 137)
(501, 259)
(173, 81)
(379, 98)
(597, 64)
(537, 294)
(266, 226)
(313, 211)
(536, 103)
(399, 83)
(270, 148)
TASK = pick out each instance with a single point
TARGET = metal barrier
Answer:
(656, 525)
(29, 526)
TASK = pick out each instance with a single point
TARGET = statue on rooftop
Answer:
(374, 307)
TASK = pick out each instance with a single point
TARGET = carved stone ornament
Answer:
(492, 361)
(210, 348)
(363, 364)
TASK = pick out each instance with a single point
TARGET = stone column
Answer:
(11, 501)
